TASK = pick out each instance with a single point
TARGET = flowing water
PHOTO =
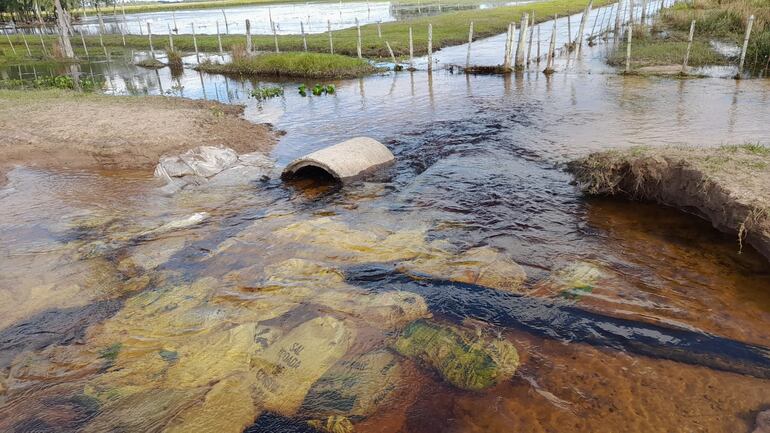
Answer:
(287, 303)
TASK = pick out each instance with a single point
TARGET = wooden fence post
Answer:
(470, 41)
(508, 46)
(392, 56)
(248, 37)
(9, 41)
(689, 46)
(149, 37)
(538, 45)
(29, 53)
(531, 36)
(173, 16)
(582, 27)
(227, 27)
(522, 40)
(411, 49)
(628, 48)
(745, 46)
(430, 47)
(358, 41)
(379, 30)
(170, 38)
(549, 62)
(275, 33)
(219, 40)
(643, 18)
(42, 42)
(195, 44)
(304, 37)
(616, 31)
(331, 42)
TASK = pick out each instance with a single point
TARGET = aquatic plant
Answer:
(467, 363)
(317, 90)
(65, 82)
(262, 93)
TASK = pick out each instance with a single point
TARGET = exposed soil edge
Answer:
(66, 130)
(680, 182)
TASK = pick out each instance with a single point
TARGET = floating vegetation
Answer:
(317, 90)
(262, 93)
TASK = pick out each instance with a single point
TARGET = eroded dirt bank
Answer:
(63, 129)
(728, 186)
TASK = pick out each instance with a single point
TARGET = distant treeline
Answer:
(30, 11)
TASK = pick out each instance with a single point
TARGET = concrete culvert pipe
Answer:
(344, 161)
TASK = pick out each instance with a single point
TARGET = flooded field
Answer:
(468, 288)
(315, 16)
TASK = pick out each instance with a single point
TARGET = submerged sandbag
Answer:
(220, 166)
(285, 370)
(571, 281)
(388, 310)
(348, 160)
(355, 386)
(484, 266)
(227, 407)
(203, 161)
(470, 363)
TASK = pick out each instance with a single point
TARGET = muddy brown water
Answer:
(104, 328)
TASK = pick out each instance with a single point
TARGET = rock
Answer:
(284, 371)
(355, 386)
(333, 424)
(467, 363)
(484, 266)
(763, 422)
(227, 408)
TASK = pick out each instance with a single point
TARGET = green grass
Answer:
(753, 148)
(294, 65)
(448, 29)
(658, 53)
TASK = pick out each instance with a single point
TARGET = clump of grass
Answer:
(150, 63)
(294, 64)
(63, 82)
(238, 52)
(753, 148)
(174, 58)
(262, 93)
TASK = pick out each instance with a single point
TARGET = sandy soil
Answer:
(61, 129)
(728, 186)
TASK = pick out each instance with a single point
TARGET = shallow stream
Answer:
(290, 303)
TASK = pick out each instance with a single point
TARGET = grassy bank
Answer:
(448, 29)
(651, 49)
(294, 65)
(721, 20)
(728, 185)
